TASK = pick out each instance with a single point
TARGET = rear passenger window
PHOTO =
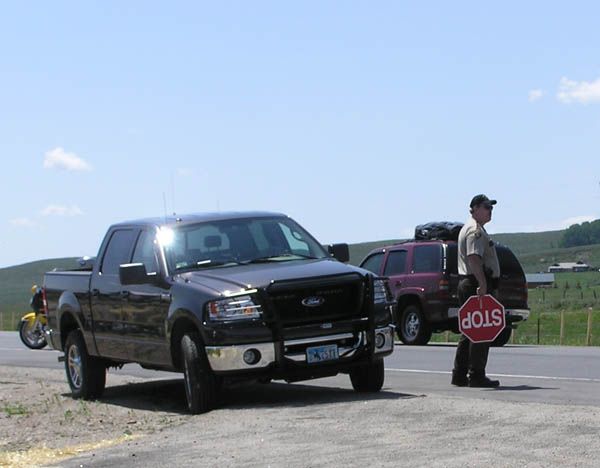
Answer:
(396, 263)
(118, 251)
(427, 259)
(373, 263)
(452, 259)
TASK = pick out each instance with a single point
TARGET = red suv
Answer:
(423, 277)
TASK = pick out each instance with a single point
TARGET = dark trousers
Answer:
(471, 357)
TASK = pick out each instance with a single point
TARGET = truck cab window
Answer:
(144, 252)
(118, 251)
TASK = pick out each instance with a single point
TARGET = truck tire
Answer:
(413, 329)
(86, 374)
(368, 377)
(200, 383)
(502, 338)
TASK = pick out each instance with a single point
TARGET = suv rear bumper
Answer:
(227, 359)
(512, 315)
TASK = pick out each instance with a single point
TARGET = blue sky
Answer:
(358, 119)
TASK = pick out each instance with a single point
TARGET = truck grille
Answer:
(328, 299)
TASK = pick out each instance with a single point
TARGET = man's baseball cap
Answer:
(481, 199)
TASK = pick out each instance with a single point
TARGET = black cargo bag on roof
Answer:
(438, 230)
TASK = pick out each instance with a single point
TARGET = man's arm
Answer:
(476, 266)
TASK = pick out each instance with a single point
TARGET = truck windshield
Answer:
(239, 241)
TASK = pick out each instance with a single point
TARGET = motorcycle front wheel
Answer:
(32, 334)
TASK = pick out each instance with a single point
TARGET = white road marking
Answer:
(515, 376)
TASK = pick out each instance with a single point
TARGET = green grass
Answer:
(576, 295)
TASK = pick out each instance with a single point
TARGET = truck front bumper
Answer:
(257, 356)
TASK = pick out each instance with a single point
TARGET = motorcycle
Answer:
(32, 328)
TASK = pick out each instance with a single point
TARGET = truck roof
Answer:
(191, 218)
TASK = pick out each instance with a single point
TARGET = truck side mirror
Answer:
(135, 273)
(339, 252)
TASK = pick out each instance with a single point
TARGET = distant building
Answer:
(568, 267)
(538, 280)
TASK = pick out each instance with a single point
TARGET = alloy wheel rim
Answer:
(74, 364)
(412, 325)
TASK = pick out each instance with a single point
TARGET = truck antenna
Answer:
(165, 205)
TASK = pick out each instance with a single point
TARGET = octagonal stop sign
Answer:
(481, 319)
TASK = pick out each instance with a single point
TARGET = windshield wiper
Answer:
(276, 258)
(206, 264)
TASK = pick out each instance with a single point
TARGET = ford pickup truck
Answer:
(220, 297)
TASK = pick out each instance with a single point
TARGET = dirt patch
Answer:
(40, 422)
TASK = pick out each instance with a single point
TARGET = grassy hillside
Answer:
(16, 282)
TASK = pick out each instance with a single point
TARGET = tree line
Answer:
(582, 234)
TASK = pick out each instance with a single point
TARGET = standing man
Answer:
(478, 271)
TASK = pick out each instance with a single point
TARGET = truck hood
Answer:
(263, 274)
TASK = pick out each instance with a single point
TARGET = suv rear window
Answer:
(427, 258)
(396, 263)
(509, 265)
(452, 259)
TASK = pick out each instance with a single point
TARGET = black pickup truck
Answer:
(219, 297)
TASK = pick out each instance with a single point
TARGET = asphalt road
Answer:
(537, 374)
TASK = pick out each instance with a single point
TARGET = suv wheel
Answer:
(413, 329)
(502, 338)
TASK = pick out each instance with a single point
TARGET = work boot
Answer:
(481, 381)
(459, 379)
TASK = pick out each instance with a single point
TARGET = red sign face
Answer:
(481, 319)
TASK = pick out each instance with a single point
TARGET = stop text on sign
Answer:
(483, 319)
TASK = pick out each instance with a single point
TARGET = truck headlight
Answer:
(234, 308)
(380, 292)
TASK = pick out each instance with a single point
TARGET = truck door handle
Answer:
(398, 283)
(124, 294)
(95, 292)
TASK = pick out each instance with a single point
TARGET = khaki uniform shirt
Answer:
(473, 239)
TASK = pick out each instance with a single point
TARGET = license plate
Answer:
(321, 353)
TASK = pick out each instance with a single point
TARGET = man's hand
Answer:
(482, 290)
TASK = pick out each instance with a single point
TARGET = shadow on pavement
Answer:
(521, 388)
(169, 396)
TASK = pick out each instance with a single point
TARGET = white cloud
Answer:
(61, 210)
(58, 158)
(583, 92)
(535, 95)
(23, 222)
(565, 223)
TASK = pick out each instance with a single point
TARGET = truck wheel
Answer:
(200, 383)
(86, 374)
(368, 377)
(502, 338)
(413, 328)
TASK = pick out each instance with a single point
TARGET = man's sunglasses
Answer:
(488, 207)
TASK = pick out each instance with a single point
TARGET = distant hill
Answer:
(16, 282)
(536, 252)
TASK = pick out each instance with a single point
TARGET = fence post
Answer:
(588, 339)
(562, 326)
(12, 323)
(447, 336)
(538, 327)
